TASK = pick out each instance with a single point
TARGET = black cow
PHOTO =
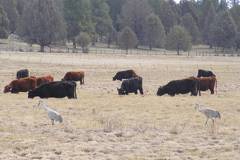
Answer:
(131, 85)
(57, 89)
(205, 73)
(124, 75)
(179, 87)
(22, 73)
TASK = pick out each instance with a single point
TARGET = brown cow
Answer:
(21, 85)
(74, 76)
(44, 80)
(206, 83)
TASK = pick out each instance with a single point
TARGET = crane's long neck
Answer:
(44, 106)
(199, 108)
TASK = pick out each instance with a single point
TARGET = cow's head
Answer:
(160, 91)
(7, 89)
(116, 77)
(121, 91)
(31, 94)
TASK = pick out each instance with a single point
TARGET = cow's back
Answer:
(44, 80)
(182, 86)
(205, 73)
(22, 73)
(74, 76)
(23, 84)
(57, 89)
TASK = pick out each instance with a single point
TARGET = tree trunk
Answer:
(74, 45)
(150, 46)
(41, 48)
(210, 46)
(109, 42)
(178, 49)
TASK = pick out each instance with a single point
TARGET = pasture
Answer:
(103, 125)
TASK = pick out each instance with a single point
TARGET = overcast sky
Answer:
(177, 1)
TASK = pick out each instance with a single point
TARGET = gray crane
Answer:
(52, 114)
(209, 113)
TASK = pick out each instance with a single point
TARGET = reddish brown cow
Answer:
(74, 76)
(44, 80)
(21, 85)
(206, 83)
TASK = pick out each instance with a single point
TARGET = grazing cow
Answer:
(204, 73)
(179, 87)
(57, 89)
(124, 75)
(22, 73)
(206, 83)
(43, 80)
(21, 85)
(131, 85)
(74, 76)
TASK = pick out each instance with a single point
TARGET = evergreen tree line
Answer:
(125, 23)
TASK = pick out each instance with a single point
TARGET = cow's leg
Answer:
(141, 91)
(212, 91)
(136, 92)
(81, 81)
(75, 95)
(71, 95)
(199, 93)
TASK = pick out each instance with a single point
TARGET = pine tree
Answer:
(155, 33)
(237, 41)
(10, 7)
(101, 17)
(83, 39)
(235, 12)
(77, 14)
(41, 24)
(3, 24)
(190, 25)
(209, 19)
(115, 11)
(133, 14)
(223, 31)
(127, 39)
(167, 15)
(178, 39)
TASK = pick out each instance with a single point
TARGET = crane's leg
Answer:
(52, 121)
(213, 122)
(213, 128)
(206, 122)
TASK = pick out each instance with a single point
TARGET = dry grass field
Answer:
(101, 125)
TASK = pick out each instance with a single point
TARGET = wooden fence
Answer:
(16, 46)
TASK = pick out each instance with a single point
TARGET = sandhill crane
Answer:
(53, 115)
(209, 113)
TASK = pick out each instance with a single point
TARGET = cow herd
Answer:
(205, 80)
(46, 87)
